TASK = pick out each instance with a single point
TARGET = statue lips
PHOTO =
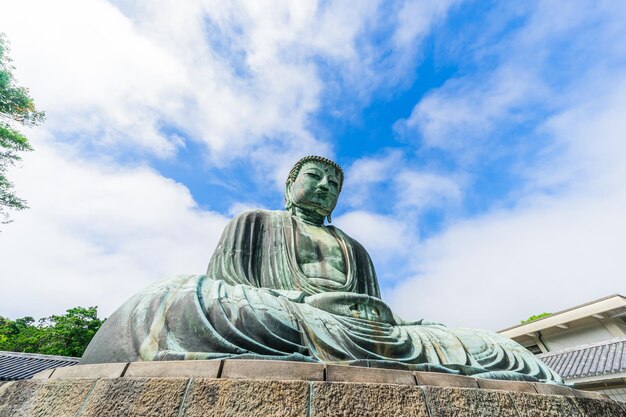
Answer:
(324, 195)
(322, 198)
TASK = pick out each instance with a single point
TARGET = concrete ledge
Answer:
(445, 380)
(175, 369)
(340, 373)
(299, 371)
(589, 394)
(196, 397)
(45, 374)
(274, 370)
(100, 370)
(553, 389)
(516, 386)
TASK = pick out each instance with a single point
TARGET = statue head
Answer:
(314, 184)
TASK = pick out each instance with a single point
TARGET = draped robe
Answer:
(255, 302)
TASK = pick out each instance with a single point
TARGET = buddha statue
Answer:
(283, 285)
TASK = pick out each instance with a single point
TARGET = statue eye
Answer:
(313, 175)
(334, 183)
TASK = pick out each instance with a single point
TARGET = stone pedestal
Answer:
(275, 388)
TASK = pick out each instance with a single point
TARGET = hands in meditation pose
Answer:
(283, 285)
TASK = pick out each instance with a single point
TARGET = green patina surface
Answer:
(283, 285)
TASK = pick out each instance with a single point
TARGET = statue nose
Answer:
(323, 183)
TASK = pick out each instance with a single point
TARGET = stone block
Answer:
(272, 370)
(358, 400)
(99, 370)
(16, 397)
(174, 369)
(553, 389)
(457, 402)
(45, 374)
(338, 373)
(516, 386)
(136, 397)
(592, 407)
(438, 379)
(61, 397)
(535, 405)
(246, 398)
(589, 394)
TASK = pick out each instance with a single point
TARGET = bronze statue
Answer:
(282, 285)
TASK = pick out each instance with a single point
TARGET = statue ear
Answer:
(330, 220)
(288, 201)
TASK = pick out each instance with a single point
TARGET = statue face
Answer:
(316, 187)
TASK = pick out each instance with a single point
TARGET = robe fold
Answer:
(252, 303)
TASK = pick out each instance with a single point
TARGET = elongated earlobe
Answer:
(288, 202)
(330, 220)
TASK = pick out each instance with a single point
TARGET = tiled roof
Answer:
(15, 365)
(596, 359)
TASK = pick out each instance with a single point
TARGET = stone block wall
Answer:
(258, 389)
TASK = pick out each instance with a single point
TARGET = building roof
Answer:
(607, 358)
(16, 365)
(611, 306)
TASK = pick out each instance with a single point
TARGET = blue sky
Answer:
(483, 144)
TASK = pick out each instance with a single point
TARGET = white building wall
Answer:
(576, 337)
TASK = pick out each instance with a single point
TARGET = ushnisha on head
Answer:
(312, 188)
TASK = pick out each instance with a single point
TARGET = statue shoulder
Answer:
(258, 215)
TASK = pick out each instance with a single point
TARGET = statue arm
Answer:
(234, 259)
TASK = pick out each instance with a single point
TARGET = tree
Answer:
(66, 335)
(16, 108)
(70, 334)
(535, 317)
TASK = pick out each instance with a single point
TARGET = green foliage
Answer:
(66, 335)
(16, 108)
(536, 317)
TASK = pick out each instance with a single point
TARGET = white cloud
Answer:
(93, 73)
(389, 180)
(505, 267)
(365, 174)
(96, 233)
(416, 18)
(383, 236)
(241, 207)
(462, 115)
(423, 190)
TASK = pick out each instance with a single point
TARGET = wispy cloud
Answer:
(558, 243)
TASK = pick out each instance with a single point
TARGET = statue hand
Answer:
(292, 295)
(352, 305)
(431, 323)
